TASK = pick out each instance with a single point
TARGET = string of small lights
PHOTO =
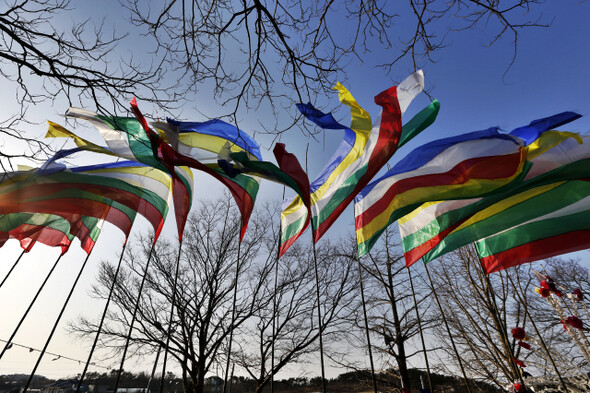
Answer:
(56, 355)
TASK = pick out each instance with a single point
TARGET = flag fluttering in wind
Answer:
(112, 192)
(559, 222)
(439, 227)
(462, 166)
(127, 138)
(49, 229)
(364, 150)
(202, 140)
(289, 173)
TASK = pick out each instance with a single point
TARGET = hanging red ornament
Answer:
(543, 292)
(575, 322)
(518, 388)
(519, 362)
(577, 295)
(518, 333)
(524, 345)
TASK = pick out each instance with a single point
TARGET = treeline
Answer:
(352, 381)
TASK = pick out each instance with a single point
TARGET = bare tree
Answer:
(46, 61)
(391, 312)
(295, 330)
(248, 51)
(203, 306)
(470, 307)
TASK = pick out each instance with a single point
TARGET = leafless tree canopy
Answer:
(45, 62)
(245, 53)
(250, 50)
(392, 320)
(202, 318)
(469, 309)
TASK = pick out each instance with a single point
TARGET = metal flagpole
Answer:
(274, 318)
(233, 316)
(7, 345)
(367, 325)
(147, 388)
(12, 268)
(102, 318)
(171, 317)
(134, 317)
(317, 293)
(420, 330)
(55, 324)
(275, 308)
(465, 380)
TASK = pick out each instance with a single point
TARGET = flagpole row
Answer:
(420, 330)
(465, 380)
(134, 317)
(233, 315)
(12, 268)
(55, 324)
(30, 306)
(102, 318)
(168, 333)
(367, 325)
(526, 310)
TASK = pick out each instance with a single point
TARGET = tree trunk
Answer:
(399, 339)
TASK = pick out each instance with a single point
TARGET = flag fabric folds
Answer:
(440, 227)
(558, 222)
(204, 140)
(243, 188)
(571, 161)
(462, 166)
(127, 138)
(289, 173)
(111, 192)
(363, 151)
(426, 226)
(49, 229)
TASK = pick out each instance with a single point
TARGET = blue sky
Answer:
(476, 86)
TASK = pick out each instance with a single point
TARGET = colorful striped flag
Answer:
(204, 140)
(243, 188)
(49, 229)
(29, 228)
(569, 160)
(289, 173)
(558, 222)
(363, 152)
(427, 225)
(113, 192)
(462, 166)
(127, 138)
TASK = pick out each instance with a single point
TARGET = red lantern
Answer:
(543, 292)
(519, 362)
